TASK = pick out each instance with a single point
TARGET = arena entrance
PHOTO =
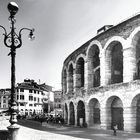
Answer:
(80, 113)
(114, 110)
(117, 113)
(94, 112)
(66, 113)
(138, 116)
(72, 114)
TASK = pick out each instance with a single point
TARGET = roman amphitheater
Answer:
(101, 79)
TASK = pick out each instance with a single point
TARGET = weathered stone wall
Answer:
(126, 91)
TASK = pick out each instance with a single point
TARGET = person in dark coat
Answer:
(115, 130)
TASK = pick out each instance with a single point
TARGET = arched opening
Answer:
(70, 78)
(80, 73)
(136, 54)
(66, 114)
(94, 112)
(136, 112)
(94, 66)
(138, 70)
(114, 63)
(80, 113)
(26, 111)
(115, 112)
(30, 112)
(65, 81)
(72, 114)
(138, 116)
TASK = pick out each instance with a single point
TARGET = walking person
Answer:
(115, 130)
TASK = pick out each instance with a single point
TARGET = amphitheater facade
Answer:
(101, 79)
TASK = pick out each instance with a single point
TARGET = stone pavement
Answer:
(34, 131)
(4, 123)
(31, 130)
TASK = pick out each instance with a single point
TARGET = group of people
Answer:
(57, 119)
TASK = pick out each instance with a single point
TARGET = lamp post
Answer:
(13, 41)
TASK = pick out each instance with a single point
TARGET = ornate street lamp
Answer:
(13, 41)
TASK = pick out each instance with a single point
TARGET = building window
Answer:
(21, 90)
(30, 91)
(59, 105)
(21, 104)
(17, 90)
(30, 98)
(38, 92)
(21, 97)
(34, 98)
(4, 101)
(34, 91)
(17, 97)
(38, 100)
(4, 106)
(30, 104)
(34, 105)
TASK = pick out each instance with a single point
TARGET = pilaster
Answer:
(75, 115)
(105, 118)
(129, 64)
(102, 69)
(130, 119)
(88, 75)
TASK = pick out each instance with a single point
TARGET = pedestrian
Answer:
(115, 130)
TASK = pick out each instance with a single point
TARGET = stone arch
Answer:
(70, 77)
(114, 61)
(114, 112)
(93, 64)
(80, 72)
(80, 113)
(135, 108)
(94, 111)
(72, 113)
(94, 42)
(135, 48)
(66, 113)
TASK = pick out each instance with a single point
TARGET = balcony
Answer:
(22, 101)
(38, 103)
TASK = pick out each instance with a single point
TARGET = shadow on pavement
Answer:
(88, 133)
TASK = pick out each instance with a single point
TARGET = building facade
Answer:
(101, 79)
(58, 102)
(32, 97)
(29, 98)
(48, 102)
(4, 99)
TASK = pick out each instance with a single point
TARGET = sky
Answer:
(61, 26)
